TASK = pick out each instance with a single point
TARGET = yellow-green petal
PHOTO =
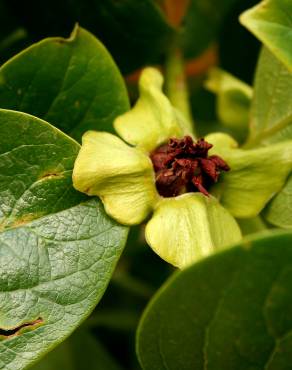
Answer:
(153, 120)
(186, 228)
(120, 175)
(233, 100)
(279, 210)
(220, 141)
(255, 177)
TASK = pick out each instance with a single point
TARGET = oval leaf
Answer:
(230, 311)
(271, 119)
(72, 83)
(57, 248)
(270, 21)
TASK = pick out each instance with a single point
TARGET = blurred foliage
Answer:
(238, 58)
(136, 33)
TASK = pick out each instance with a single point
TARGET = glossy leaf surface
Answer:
(270, 21)
(230, 311)
(72, 83)
(57, 248)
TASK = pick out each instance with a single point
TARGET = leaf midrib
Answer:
(261, 136)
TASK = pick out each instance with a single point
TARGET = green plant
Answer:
(78, 204)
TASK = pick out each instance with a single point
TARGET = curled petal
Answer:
(188, 227)
(233, 101)
(120, 175)
(153, 120)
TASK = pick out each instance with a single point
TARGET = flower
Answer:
(182, 166)
(160, 169)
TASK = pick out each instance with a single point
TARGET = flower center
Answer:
(183, 166)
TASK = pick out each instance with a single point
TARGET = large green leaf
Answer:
(80, 352)
(58, 249)
(271, 22)
(230, 311)
(271, 119)
(71, 83)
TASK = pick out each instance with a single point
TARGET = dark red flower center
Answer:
(183, 166)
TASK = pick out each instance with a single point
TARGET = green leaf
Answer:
(271, 119)
(279, 210)
(57, 248)
(270, 21)
(72, 83)
(230, 311)
(202, 23)
(81, 351)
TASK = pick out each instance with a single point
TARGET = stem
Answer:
(176, 86)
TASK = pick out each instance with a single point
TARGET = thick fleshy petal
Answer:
(255, 177)
(186, 228)
(233, 100)
(153, 120)
(220, 141)
(120, 175)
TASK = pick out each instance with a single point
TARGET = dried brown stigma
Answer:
(183, 166)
